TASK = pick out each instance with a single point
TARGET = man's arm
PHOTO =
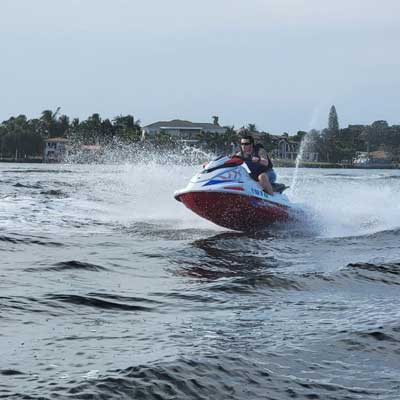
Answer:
(263, 157)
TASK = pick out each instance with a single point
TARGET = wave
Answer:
(384, 234)
(25, 304)
(99, 303)
(214, 377)
(126, 298)
(28, 186)
(166, 229)
(54, 192)
(28, 240)
(10, 372)
(39, 170)
(67, 266)
(381, 339)
(388, 273)
(52, 304)
(258, 277)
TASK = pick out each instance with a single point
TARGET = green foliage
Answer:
(333, 122)
(342, 145)
(219, 143)
(23, 138)
(126, 128)
(20, 137)
(299, 136)
(252, 127)
(164, 139)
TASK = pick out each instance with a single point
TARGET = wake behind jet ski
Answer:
(225, 194)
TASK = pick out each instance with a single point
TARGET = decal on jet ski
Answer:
(260, 193)
(216, 182)
(231, 175)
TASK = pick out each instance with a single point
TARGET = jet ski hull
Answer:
(234, 211)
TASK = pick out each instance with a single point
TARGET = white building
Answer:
(55, 149)
(284, 148)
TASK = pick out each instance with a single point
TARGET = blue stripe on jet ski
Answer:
(215, 182)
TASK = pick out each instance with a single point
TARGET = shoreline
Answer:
(313, 164)
(277, 163)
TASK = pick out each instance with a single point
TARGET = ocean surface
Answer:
(111, 289)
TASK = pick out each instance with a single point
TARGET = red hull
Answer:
(234, 211)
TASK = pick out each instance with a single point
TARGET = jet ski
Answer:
(225, 194)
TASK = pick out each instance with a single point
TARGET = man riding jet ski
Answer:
(225, 193)
(258, 162)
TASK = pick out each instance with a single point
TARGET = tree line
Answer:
(337, 145)
(21, 137)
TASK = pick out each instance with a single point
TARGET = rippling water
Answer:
(110, 289)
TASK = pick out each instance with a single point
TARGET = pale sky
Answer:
(279, 64)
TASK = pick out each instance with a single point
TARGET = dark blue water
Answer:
(110, 289)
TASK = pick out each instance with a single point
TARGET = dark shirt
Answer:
(255, 167)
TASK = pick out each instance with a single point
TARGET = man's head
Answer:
(246, 143)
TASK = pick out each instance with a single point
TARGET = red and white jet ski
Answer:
(224, 193)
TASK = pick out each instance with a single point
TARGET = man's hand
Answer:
(263, 156)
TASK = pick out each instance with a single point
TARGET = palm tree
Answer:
(63, 125)
(126, 127)
(49, 123)
(252, 127)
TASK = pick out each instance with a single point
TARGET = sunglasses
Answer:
(245, 143)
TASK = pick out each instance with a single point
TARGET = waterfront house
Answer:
(284, 148)
(182, 130)
(55, 149)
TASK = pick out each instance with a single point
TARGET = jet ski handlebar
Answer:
(232, 161)
(235, 159)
